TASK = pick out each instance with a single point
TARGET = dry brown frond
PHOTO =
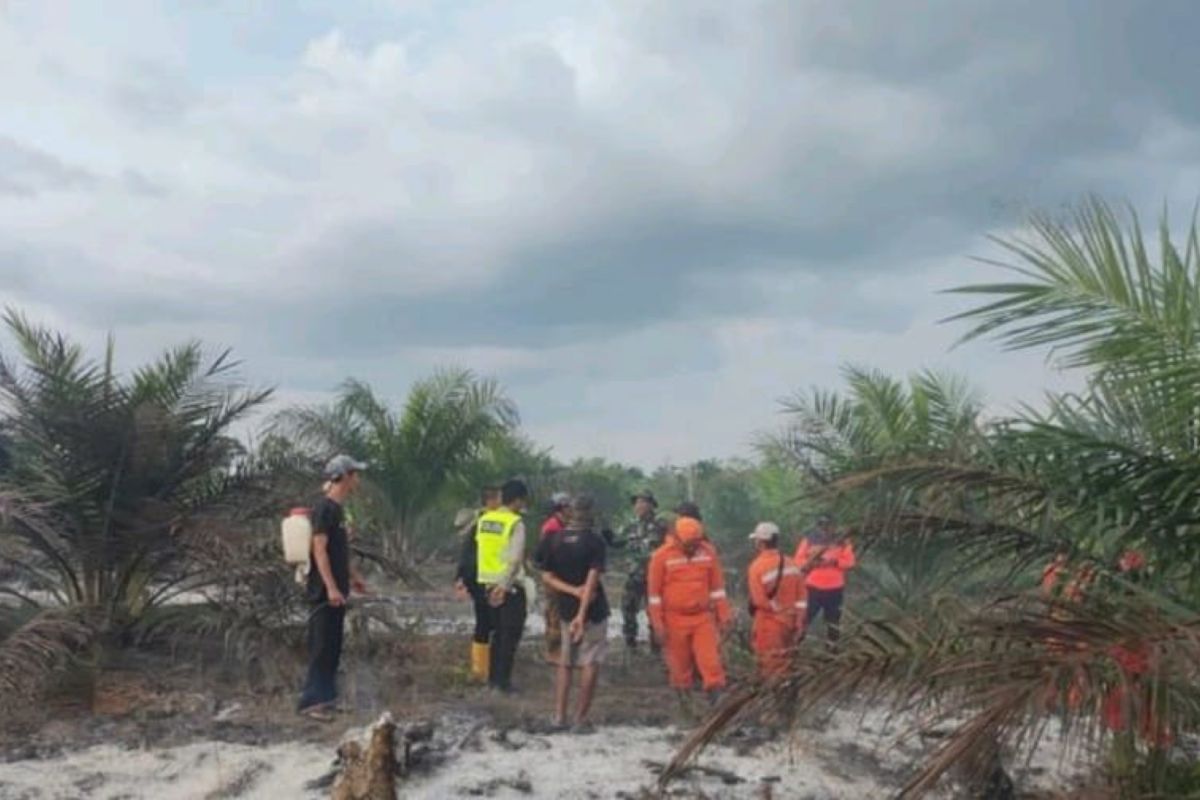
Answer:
(31, 655)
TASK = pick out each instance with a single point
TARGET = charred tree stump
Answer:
(369, 767)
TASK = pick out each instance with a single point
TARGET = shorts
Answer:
(589, 652)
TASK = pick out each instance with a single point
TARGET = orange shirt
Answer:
(677, 584)
(785, 604)
(829, 571)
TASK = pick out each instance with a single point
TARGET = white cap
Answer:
(764, 532)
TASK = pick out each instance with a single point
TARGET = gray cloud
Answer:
(26, 171)
(607, 188)
(1020, 96)
(138, 183)
(152, 93)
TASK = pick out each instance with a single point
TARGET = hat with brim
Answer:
(764, 532)
(341, 466)
(646, 495)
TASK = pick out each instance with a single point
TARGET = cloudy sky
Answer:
(650, 219)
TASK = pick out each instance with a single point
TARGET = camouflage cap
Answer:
(644, 494)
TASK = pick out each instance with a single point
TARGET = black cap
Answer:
(689, 509)
(644, 494)
(513, 490)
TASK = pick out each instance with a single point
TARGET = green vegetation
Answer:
(1095, 475)
(121, 493)
(117, 493)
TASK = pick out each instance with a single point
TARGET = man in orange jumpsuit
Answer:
(688, 607)
(824, 557)
(777, 601)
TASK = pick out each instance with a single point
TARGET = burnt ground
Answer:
(160, 698)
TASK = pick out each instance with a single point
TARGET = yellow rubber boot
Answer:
(480, 657)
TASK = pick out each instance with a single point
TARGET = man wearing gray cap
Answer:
(331, 577)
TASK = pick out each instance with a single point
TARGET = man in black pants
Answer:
(824, 556)
(331, 576)
(467, 583)
(500, 545)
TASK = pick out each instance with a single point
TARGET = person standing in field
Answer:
(331, 577)
(467, 583)
(688, 607)
(824, 558)
(639, 540)
(778, 601)
(573, 562)
(555, 523)
(500, 544)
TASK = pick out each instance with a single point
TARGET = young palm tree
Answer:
(878, 420)
(115, 490)
(446, 423)
(1108, 470)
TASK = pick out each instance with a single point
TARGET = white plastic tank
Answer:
(297, 536)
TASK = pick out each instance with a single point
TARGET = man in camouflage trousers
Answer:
(639, 540)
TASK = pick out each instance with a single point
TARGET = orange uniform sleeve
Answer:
(801, 604)
(758, 591)
(717, 596)
(845, 557)
(655, 577)
(802, 553)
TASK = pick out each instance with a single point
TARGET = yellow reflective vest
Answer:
(492, 536)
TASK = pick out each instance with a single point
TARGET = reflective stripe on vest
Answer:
(492, 535)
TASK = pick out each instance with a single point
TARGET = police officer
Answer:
(500, 542)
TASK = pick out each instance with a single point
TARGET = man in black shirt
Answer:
(331, 577)
(572, 561)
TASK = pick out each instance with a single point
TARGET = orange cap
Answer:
(688, 529)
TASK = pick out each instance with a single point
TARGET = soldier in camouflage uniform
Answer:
(639, 540)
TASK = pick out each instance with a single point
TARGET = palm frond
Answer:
(31, 655)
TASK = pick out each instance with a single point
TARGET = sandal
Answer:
(319, 713)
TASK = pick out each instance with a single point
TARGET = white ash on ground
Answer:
(853, 756)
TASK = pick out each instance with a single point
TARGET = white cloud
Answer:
(653, 219)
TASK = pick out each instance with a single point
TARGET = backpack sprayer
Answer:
(296, 533)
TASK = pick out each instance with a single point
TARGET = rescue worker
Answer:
(689, 610)
(777, 601)
(560, 502)
(824, 558)
(466, 582)
(1134, 704)
(500, 544)
(639, 540)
